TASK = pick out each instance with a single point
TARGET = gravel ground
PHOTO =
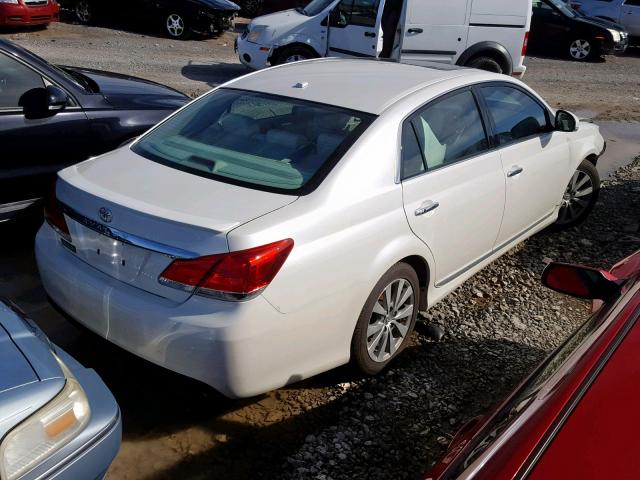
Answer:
(498, 325)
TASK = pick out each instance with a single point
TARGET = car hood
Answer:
(599, 22)
(278, 24)
(225, 5)
(124, 91)
(15, 369)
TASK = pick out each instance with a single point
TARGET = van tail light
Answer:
(53, 213)
(525, 43)
(233, 276)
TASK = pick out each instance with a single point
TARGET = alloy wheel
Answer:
(83, 11)
(576, 198)
(175, 25)
(580, 49)
(295, 58)
(390, 320)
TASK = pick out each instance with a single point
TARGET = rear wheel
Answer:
(294, 53)
(485, 63)
(387, 319)
(177, 26)
(581, 49)
(580, 196)
(84, 11)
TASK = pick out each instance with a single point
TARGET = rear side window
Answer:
(256, 140)
(15, 80)
(515, 114)
(446, 131)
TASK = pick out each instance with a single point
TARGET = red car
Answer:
(28, 13)
(577, 416)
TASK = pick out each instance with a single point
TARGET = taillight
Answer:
(53, 213)
(230, 276)
(524, 44)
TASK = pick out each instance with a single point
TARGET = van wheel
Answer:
(387, 320)
(294, 53)
(579, 198)
(485, 63)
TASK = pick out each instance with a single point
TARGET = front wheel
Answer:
(387, 320)
(84, 12)
(580, 196)
(581, 49)
(294, 53)
(177, 26)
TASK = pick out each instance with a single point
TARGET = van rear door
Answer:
(355, 29)
(434, 30)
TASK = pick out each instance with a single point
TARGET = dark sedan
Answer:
(52, 117)
(577, 415)
(557, 28)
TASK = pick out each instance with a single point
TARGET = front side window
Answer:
(515, 114)
(315, 7)
(359, 12)
(254, 139)
(15, 80)
(446, 132)
(632, 3)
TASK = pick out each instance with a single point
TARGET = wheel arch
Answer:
(490, 49)
(421, 267)
(296, 43)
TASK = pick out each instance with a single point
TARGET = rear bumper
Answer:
(241, 349)
(22, 15)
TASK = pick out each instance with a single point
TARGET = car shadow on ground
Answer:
(213, 74)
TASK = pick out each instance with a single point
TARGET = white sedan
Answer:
(298, 218)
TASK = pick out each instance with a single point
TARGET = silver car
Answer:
(57, 419)
(624, 12)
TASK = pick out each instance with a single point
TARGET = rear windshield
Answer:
(252, 139)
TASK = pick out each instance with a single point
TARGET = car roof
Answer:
(365, 85)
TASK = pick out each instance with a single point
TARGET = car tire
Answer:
(177, 26)
(84, 12)
(485, 63)
(252, 8)
(579, 198)
(294, 53)
(581, 49)
(380, 336)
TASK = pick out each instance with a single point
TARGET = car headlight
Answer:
(615, 34)
(46, 431)
(255, 34)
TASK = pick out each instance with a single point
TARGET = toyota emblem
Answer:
(105, 215)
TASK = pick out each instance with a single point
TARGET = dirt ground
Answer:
(178, 428)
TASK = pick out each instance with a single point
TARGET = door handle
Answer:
(415, 30)
(427, 207)
(370, 34)
(515, 171)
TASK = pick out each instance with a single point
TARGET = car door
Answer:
(630, 16)
(434, 30)
(535, 158)
(549, 27)
(355, 28)
(453, 185)
(33, 149)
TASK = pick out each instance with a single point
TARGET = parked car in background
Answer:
(57, 418)
(478, 33)
(28, 13)
(623, 12)
(557, 28)
(392, 183)
(576, 416)
(253, 8)
(52, 117)
(179, 19)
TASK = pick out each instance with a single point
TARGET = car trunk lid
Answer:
(129, 217)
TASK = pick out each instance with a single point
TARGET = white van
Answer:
(488, 34)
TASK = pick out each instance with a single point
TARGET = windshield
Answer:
(253, 139)
(564, 8)
(315, 7)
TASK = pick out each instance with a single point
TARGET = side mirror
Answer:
(580, 282)
(566, 121)
(43, 102)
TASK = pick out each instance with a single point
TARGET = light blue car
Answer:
(57, 419)
(624, 12)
